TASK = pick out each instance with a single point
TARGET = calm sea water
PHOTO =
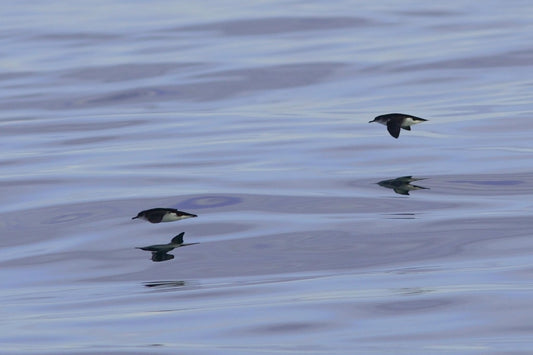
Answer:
(254, 115)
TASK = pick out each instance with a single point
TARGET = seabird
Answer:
(157, 215)
(395, 121)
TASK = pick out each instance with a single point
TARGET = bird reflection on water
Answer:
(160, 251)
(402, 185)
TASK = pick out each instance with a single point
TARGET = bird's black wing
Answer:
(154, 217)
(393, 127)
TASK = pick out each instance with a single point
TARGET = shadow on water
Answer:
(402, 185)
(165, 284)
(403, 215)
(275, 25)
(160, 252)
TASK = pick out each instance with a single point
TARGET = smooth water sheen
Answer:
(254, 115)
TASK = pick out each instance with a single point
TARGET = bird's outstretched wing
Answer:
(393, 127)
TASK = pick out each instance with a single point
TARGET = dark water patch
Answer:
(510, 124)
(473, 26)
(36, 225)
(87, 37)
(218, 158)
(222, 85)
(436, 13)
(130, 95)
(437, 79)
(30, 182)
(86, 140)
(79, 263)
(129, 71)
(515, 58)
(68, 218)
(8, 76)
(490, 183)
(278, 25)
(413, 306)
(67, 125)
(287, 328)
(437, 69)
(479, 234)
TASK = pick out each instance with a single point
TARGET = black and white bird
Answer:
(158, 215)
(396, 121)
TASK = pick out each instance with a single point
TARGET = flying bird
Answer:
(157, 215)
(395, 121)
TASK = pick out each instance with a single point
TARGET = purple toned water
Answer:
(254, 115)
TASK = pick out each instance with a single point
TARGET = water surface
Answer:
(318, 233)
